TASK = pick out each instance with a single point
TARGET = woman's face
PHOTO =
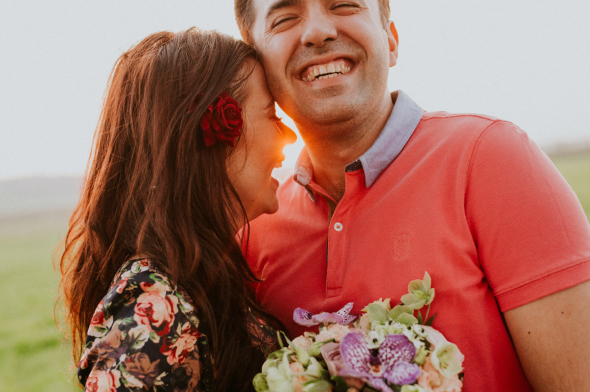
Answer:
(260, 150)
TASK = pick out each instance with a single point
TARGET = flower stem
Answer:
(427, 311)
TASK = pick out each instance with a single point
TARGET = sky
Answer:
(525, 61)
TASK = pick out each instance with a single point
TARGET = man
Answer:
(385, 191)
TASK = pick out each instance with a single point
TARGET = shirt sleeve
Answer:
(532, 235)
(144, 336)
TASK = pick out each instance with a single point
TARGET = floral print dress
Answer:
(144, 335)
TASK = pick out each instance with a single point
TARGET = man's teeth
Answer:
(326, 71)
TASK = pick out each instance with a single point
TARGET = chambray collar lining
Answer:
(404, 119)
(400, 126)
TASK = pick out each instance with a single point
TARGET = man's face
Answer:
(326, 61)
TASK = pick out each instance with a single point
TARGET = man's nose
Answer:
(318, 29)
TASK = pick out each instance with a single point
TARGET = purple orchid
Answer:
(392, 361)
(308, 319)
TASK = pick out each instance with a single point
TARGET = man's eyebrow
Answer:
(281, 4)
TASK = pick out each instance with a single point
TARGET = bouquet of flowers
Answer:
(385, 349)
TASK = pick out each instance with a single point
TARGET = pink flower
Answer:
(432, 381)
(103, 381)
(334, 331)
(98, 325)
(298, 381)
(331, 354)
(178, 350)
(434, 337)
(155, 309)
(365, 323)
(296, 367)
(302, 342)
(98, 316)
(121, 284)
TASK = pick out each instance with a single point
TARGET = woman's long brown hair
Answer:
(153, 188)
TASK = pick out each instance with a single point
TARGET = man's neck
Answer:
(330, 156)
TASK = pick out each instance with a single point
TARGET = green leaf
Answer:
(419, 317)
(154, 337)
(138, 336)
(127, 321)
(406, 319)
(398, 310)
(367, 388)
(339, 384)
(431, 320)
(377, 313)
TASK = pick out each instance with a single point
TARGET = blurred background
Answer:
(523, 61)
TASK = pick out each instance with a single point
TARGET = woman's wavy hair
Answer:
(154, 188)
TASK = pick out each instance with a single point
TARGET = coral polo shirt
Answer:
(468, 198)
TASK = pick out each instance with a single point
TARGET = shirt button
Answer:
(338, 226)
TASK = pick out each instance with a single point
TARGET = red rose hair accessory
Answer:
(222, 121)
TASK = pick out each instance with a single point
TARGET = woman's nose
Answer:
(288, 135)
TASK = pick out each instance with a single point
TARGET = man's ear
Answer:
(393, 39)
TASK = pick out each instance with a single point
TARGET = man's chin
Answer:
(324, 111)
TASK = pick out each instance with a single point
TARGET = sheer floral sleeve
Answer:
(144, 336)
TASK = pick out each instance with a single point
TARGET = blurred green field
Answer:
(33, 354)
(576, 170)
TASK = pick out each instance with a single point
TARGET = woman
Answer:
(153, 277)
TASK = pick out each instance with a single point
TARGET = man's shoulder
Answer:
(457, 122)
(459, 129)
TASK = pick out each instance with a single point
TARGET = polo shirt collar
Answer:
(400, 126)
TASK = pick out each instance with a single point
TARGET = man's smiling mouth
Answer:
(328, 70)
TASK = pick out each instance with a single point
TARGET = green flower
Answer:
(260, 383)
(447, 359)
(378, 314)
(399, 310)
(421, 356)
(420, 293)
(302, 356)
(381, 302)
(279, 378)
(314, 369)
(318, 386)
(314, 351)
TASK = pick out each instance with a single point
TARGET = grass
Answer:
(33, 353)
(576, 170)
